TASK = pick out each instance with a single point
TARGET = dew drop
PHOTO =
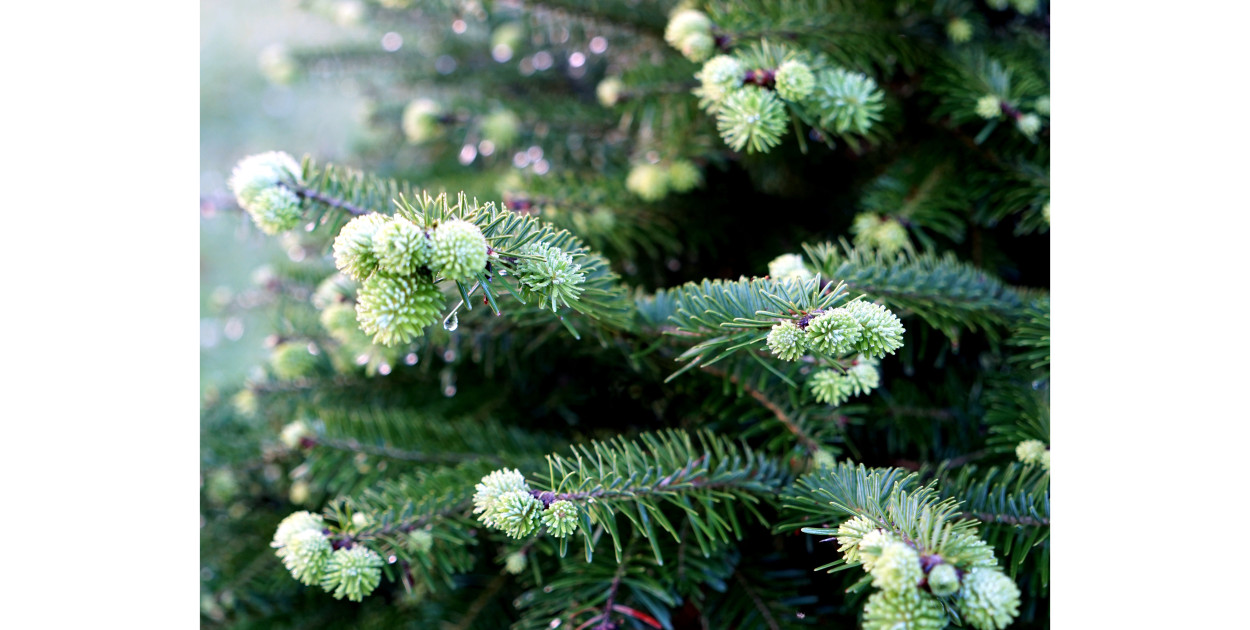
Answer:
(547, 588)
(411, 359)
(555, 623)
(384, 369)
(451, 322)
(362, 359)
(391, 559)
(449, 391)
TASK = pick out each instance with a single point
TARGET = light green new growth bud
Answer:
(789, 267)
(300, 492)
(353, 573)
(294, 432)
(401, 247)
(555, 276)
(871, 544)
(882, 331)
(1025, 6)
(684, 176)
(396, 309)
(421, 540)
(257, 173)
(989, 106)
(1042, 105)
(847, 101)
(491, 487)
(1046, 460)
(336, 288)
(221, 486)
(787, 341)
(943, 580)
(459, 250)
(794, 80)
(1030, 451)
(420, 121)
(560, 518)
(989, 600)
(959, 30)
(830, 387)
(834, 332)
(275, 210)
(751, 118)
(1029, 124)
(909, 609)
(685, 22)
(609, 91)
(514, 563)
(502, 127)
(822, 458)
(295, 523)
(340, 321)
(882, 233)
(863, 376)
(685, 25)
(353, 247)
(897, 567)
(292, 360)
(648, 181)
(360, 520)
(305, 555)
(698, 46)
(1046, 212)
(718, 76)
(851, 533)
(517, 513)
(510, 35)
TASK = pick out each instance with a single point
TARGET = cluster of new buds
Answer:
(652, 182)
(915, 583)
(1033, 452)
(690, 32)
(789, 267)
(864, 327)
(263, 186)
(834, 388)
(505, 501)
(551, 274)
(751, 91)
(303, 543)
(880, 232)
(993, 107)
(399, 263)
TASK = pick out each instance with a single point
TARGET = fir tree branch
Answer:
(333, 202)
(479, 603)
(759, 604)
(389, 452)
(1009, 519)
(809, 443)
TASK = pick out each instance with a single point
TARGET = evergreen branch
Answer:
(810, 444)
(402, 455)
(731, 315)
(480, 602)
(759, 604)
(635, 477)
(947, 294)
(308, 193)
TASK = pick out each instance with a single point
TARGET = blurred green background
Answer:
(241, 113)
